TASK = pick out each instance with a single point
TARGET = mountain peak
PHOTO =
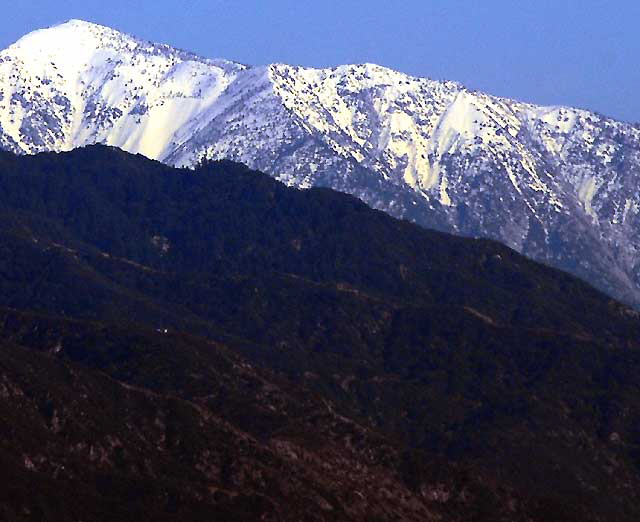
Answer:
(77, 41)
(70, 32)
(77, 22)
(70, 43)
(426, 150)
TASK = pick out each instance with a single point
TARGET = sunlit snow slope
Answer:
(558, 184)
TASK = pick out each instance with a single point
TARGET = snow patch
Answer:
(586, 192)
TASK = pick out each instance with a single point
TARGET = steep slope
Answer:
(557, 184)
(510, 373)
(111, 422)
(81, 83)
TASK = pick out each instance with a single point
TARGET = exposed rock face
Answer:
(555, 183)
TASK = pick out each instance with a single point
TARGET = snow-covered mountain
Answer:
(556, 183)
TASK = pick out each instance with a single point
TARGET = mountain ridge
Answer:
(555, 183)
(509, 388)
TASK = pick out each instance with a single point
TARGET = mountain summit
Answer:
(557, 184)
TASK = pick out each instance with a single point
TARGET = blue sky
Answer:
(580, 53)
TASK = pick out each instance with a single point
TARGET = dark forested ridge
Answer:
(105, 422)
(497, 388)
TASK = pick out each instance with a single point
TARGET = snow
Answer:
(444, 197)
(421, 142)
(560, 119)
(586, 193)
(157, 92)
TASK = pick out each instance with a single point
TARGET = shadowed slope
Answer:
(459, 349)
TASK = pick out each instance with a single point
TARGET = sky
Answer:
(581, 53)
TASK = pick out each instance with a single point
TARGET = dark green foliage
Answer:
(521, 380)
(105, 422)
